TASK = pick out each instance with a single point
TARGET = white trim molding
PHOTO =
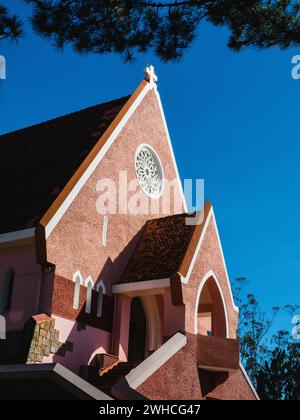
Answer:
(249, 381)
(99, 286)
(207, 276)
(89, 282)
(78, 275)
(154, 330)
(101, 289)
(185, 280)
(20, 235)
(171, 148)
(105, 230)
(138, 288)
(149, 366)
(93, 165)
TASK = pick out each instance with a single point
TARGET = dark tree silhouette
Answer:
(10, 25)
(167, 27)
(271, 358)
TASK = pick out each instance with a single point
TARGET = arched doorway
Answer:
(137, 331)
(211, 310)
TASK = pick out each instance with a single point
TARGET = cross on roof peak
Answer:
(150, 75)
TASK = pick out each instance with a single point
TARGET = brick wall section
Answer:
(62, 305)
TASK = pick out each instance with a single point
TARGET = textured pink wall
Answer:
(179, 379)
(209, 258)
(174, 316)
(121, 326)
(26, 288)
(87, 343)
(75, 244)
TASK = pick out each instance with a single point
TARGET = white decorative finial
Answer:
(150, 75)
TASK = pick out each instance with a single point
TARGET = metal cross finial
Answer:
(150, 75)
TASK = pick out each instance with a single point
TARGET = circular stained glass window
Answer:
(149, 171)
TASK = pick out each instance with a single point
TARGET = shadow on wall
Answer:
(87, 334)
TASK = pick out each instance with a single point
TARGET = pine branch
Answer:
(10, 25)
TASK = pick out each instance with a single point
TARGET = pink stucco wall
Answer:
(26, 289)
(209, 259)
(173, 316)
(121, 326)
(75, 243)
(180, 379)
(87, 343)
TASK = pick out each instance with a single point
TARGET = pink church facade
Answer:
(112, 296)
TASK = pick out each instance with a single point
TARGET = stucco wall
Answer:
(179, 379)
(87, 343)
(75, 243)
(209, 259)
(26, 286)
(63, 299)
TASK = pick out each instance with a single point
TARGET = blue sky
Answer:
(234, 121)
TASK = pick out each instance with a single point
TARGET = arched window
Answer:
(6, 291)
(211, 317)
(101, 292)
(89, 294)
(78, 280)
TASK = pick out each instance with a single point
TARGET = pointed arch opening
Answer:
(89, 294)
(145, 332)
(78, 280)
(100, 288)
(211, 318)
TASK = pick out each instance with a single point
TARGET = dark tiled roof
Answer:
(37, 162)
(160, 250)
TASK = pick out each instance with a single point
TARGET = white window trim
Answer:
(207, 276)
(89, 294)
(77, 276)
(100, 288)
(105, 230)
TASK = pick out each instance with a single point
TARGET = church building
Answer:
(109, 288)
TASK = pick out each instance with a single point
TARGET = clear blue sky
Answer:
(234, 121)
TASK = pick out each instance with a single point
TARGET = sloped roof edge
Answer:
(73, 187)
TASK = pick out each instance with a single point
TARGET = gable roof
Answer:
(160, 250)
(167, 247)
(37, 162)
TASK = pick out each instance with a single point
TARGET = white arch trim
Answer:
(185, 280)
(89, 280)
(202, 284)
(78, 275)
(89, 293)
(154, 332)
(99, 286)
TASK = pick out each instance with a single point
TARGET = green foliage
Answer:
(167, 27)
(272, 360)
